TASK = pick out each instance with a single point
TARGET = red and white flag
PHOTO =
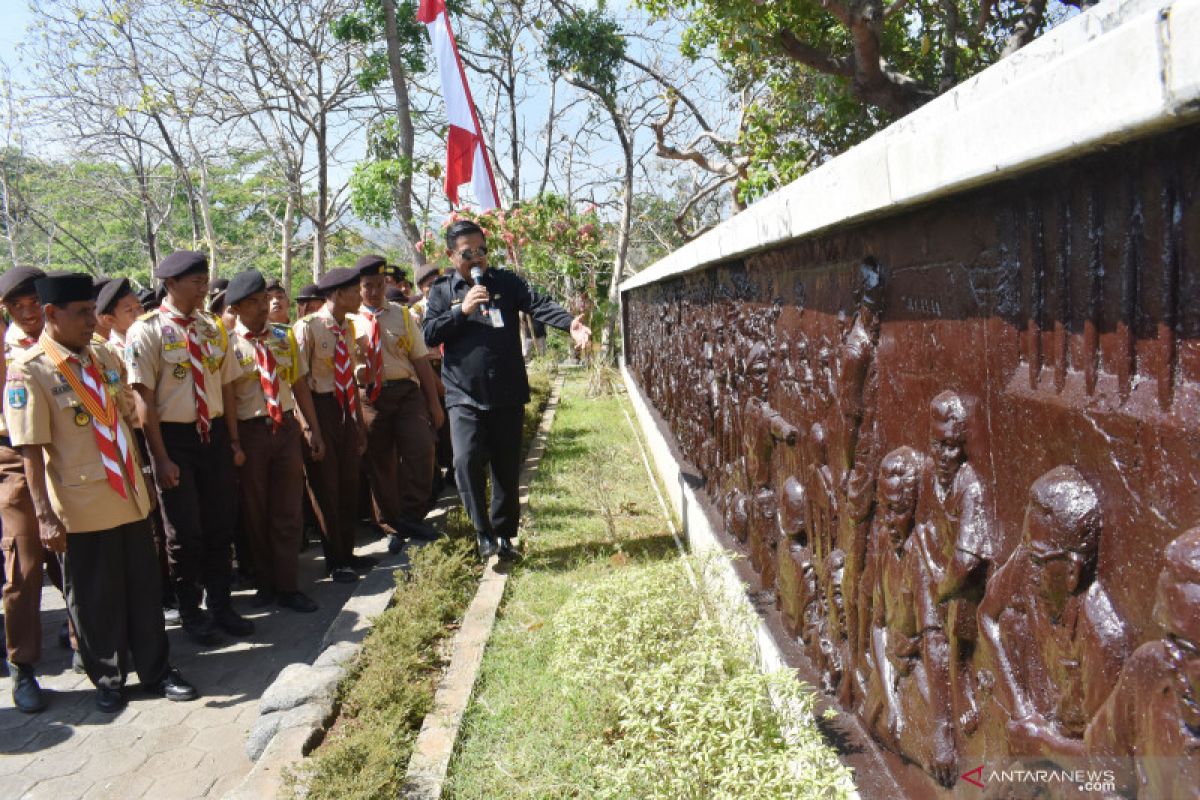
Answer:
(466, 156)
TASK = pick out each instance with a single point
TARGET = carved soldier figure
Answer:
(1057, 641)
(1153, 713)
(957, 543)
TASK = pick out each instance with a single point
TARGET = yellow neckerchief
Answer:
(106, 414)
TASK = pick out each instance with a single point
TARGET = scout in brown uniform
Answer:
(328, 353)
(400, 400)
(444, 473)
(279, 309)
(268, 391)
(87, 486)
(178, 366)
(24, 555)
(309, 301)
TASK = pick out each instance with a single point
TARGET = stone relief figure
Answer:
(1055, 638)
(795, 595)
(1149, 727)
(832, 637)
(957, 544)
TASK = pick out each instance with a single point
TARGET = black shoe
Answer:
(420, 531)
(507, 552)
(263, 598)
(199, 627)
(64, 635)
(363, 563)
(110, 701)
(232, 622)
(343, 575)
(486, 545)
(173, 687)
(395, 543)
(27, 696)
(297, 601)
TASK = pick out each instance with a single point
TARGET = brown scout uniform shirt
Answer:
(16, 343)
(317, 344)
(247, 388)
(42, 409)
(401, 337)
(156, 354)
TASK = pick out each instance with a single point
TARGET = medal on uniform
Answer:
(180, 371)
(82, 417)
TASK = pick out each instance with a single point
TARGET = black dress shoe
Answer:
(263, 598)
(232, 622)
(507, 551)
(110, 701)
(420, 531)
(343, 575)
(174, 687)
(486, 546)
(199, 627)
(363, 563)
(26, 694)
(297, 601)
(395, 543)
(64, 635)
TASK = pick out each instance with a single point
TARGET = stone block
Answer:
(1183, 57)
(339, 654)
(260, 736)
(298, 684)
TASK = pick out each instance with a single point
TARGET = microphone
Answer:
(477, 276)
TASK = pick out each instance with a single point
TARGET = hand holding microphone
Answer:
(478, 296)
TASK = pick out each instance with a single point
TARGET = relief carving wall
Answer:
(960, 447)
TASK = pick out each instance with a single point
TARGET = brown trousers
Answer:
(270, 491)
(401, 448)
(24, 559)
(333, 481)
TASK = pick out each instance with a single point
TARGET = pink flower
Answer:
(419, 247)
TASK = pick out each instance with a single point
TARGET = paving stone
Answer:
(66, 787)
(160, 740)
(12, 739)
(16, 785)
(218, 736)
(11, 764)
(54, 764)
(122, 787)
(109, 764)
(173, 760)
(182, 785)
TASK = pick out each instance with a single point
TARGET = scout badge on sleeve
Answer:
(180, 371)
(18, 396)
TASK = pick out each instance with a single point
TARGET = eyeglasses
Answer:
(469, 255)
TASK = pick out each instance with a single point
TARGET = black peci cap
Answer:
(335, 279)
(309, 292)
(110, 293)
(60, 289)
(426, 271)
(370, 265)
(180, 263)
(243, 285)
(148, 298)
(18, 281)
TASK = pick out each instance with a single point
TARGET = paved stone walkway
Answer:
(155, 748)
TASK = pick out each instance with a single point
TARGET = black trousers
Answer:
(200, 514)
(482, 439)
(114, 599)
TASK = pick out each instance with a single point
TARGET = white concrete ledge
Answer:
(1122, 70)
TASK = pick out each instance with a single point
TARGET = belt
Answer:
(264, 420)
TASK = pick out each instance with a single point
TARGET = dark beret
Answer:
(148, 298)
(220, 284)
(370, 265)
(243, 285)
(61, 289)
(309, 292)
(274, 285)
(335, 279)
(99, 282)
(395, 295)
(18, 281)
(426, 271)
(113, 290)
(180, 263)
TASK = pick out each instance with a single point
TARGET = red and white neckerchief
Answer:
(343, 373)
(268, 376)
(374, 353)
(115, 452)
(203, 420)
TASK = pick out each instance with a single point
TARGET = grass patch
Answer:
(390, 688)
(604, 676)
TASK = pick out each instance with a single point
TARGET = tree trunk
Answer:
(285, 245)
(320, 219)
(607, 342)
(210, 234)
(402, 194)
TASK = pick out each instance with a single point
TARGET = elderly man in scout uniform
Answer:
(473, 313)
(24, 555)
(269, 390)
(87, 486)
(400, 408)
(329, 354)
(178, 365)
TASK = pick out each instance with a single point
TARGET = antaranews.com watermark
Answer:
(1083, 780)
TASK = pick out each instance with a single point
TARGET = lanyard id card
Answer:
(496, 317)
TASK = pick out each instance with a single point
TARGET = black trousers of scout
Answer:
(334, 480)
(199, 514)
(482, 439)
(270, 487)
(400, 452)
(24, 561)
(114, 599)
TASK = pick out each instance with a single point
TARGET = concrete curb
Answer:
(430, 761)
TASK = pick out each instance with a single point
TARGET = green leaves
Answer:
(590, 45)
